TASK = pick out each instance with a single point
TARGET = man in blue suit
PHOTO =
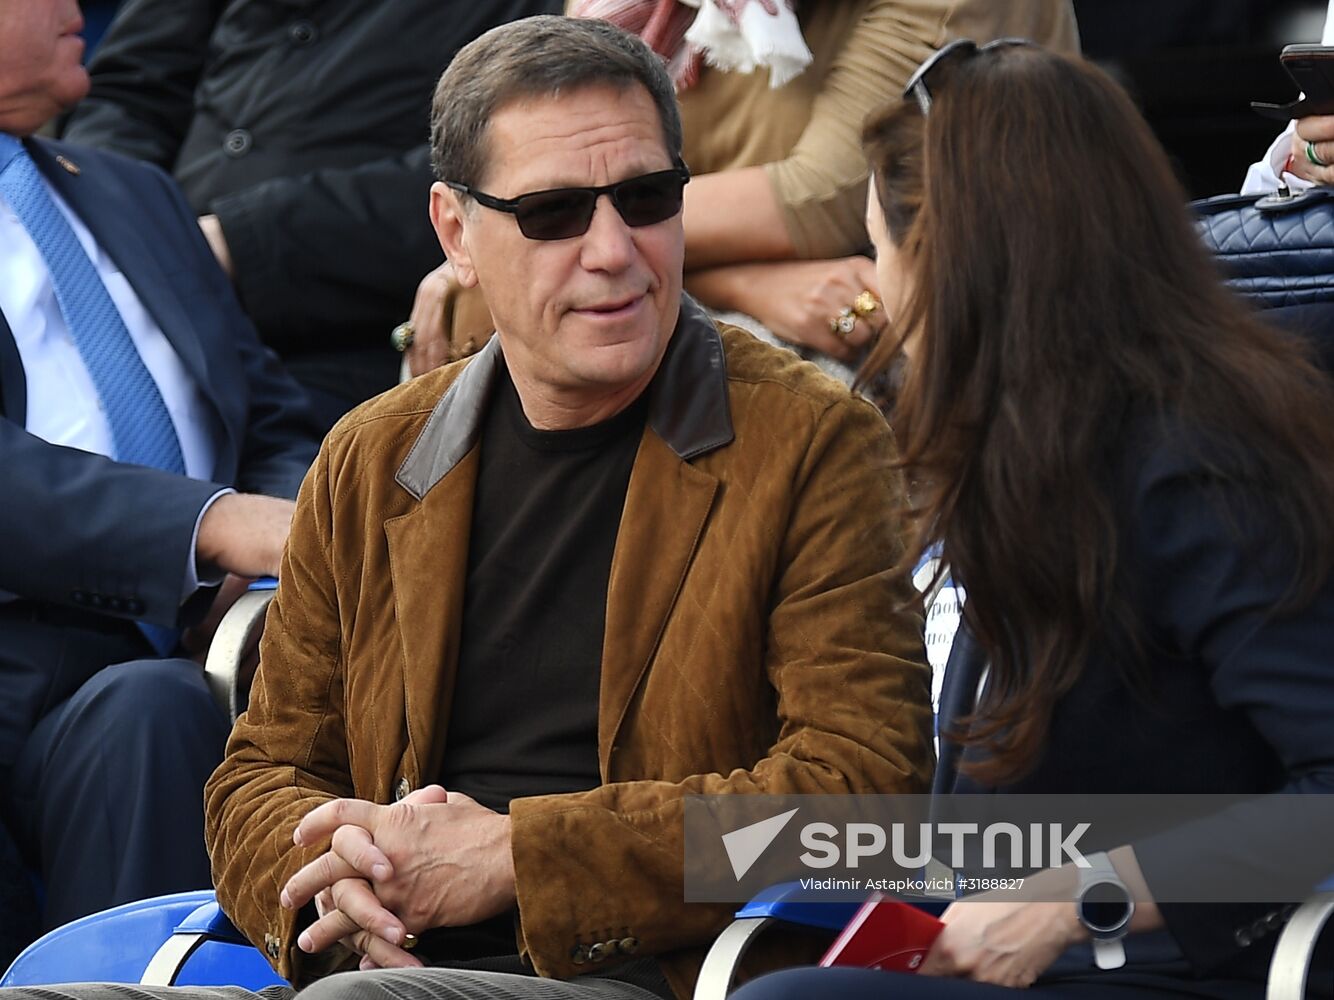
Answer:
(148, 442)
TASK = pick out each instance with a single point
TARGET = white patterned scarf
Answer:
(733, 35)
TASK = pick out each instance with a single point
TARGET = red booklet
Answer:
(885, 934)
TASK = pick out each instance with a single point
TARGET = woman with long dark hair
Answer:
(1133, 478)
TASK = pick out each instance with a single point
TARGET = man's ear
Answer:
(449, 217)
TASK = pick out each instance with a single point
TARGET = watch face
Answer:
(1104, 907)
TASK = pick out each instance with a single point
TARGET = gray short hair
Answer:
(537, 57)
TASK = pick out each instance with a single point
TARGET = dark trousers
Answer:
(18, 905)
(103, 758)
(870, 984)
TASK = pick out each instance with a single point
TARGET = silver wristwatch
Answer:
(1105, 907)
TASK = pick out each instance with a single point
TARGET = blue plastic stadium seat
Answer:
(183, 939)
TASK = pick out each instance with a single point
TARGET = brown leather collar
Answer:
(689, 407)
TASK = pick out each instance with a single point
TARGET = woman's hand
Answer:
(1005, 943)
(995, 938)
(798, 300)
(1318, 130)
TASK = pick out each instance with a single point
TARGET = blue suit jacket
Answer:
(82, 530)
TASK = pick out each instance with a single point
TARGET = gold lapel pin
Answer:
(69, 165)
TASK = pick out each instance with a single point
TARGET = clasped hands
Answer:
(434, 859)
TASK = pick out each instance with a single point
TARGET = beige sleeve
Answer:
(821, 185)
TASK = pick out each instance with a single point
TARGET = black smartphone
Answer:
(1312, 69)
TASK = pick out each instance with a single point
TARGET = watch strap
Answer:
(1109, 953)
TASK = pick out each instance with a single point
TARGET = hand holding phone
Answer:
(1311, 68)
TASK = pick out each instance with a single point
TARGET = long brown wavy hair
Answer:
(1059, 286)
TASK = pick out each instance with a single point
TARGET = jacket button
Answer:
(302, 33)
(1243, 937)
(1273, 919)
(597, 952)
(134, 606)
(115, 604)
(628, 945)
(237, 143)
(79, 596)
(97, 601)
(402, 790)
(578, 954)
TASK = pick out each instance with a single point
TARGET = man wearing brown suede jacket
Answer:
(533, 599)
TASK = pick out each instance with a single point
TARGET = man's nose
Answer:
(608, 245)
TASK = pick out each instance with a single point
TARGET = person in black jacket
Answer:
(298, 130)
(1128, 474)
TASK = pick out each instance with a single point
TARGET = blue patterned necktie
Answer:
(140, 425)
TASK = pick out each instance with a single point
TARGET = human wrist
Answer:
(1075, 931)
(243, 533)
(723, 288)
(507, 875)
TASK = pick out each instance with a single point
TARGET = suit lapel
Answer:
(107, 208)
(428, 563)
(428, 552)
(666, 505)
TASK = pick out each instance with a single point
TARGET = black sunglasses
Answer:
(561, 213)
(918, 84)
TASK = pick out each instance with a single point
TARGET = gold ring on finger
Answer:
(865, 303)
(402, 336)
(844, 323)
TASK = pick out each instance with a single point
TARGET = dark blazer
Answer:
(83, 531)
(1240, 701)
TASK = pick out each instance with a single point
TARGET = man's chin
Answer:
(618, 362)
(74, 87)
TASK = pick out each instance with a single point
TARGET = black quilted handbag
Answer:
(1277, 251)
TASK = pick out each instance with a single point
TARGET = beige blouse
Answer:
(808, 133)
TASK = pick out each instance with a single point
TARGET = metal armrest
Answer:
(777, 903)
(1291, 963)
(234, 639)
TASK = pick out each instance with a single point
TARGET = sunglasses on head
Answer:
(560, 213)
(918, 85)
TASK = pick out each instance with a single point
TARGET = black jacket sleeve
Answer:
(355, 241)
(144, 76)
(1218, 568)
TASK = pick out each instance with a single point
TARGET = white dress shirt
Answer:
(63, 404)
